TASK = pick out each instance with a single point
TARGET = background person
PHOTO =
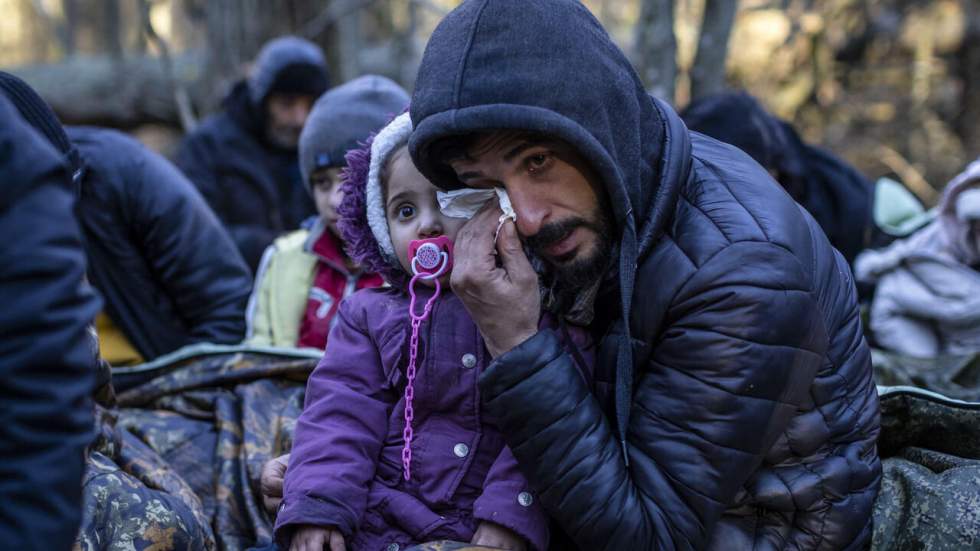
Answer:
(168, 271)
(47, 354)
(835, 193)
(927, 301)
(243, 159)
(304, 275)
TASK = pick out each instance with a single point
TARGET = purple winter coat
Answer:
(346, 470)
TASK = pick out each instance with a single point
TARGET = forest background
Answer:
(891, 85)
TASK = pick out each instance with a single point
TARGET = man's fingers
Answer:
(512, 255)
(337, 541)
(474, 248)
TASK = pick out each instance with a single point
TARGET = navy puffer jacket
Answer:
(732, 369)
(168, 271)
(47, 355)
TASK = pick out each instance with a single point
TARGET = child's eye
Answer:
(406, 211)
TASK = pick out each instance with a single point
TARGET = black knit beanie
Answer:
(35, 111)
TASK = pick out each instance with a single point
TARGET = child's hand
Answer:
(270, 482)
(495, 535)
(316, 538)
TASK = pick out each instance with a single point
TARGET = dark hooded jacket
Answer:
(837, 196)
(253, 186)
(168, 271)
(47, 367)
(735, 407)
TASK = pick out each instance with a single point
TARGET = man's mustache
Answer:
(554, 232)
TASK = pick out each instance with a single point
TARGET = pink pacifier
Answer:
(431, 259)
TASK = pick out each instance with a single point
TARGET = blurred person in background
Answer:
(927, 301)
(836, 194)
(304, 275)
(168, 271)
(244, 158)
(47, 354)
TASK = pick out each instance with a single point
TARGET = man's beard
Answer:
(284, 137)
(575, 273)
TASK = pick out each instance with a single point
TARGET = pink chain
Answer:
(413, 351)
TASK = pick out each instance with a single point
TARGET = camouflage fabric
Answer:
(177, 464)
(214, 416)
(930, 492)
(131, 499)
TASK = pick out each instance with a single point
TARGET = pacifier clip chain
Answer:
(429, 261)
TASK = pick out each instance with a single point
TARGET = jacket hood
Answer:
(363, 224)
(37, 113)
(344, 117)
(504, 64)
(288, 64)
(946, 239)
(548, 66)
(957, 232)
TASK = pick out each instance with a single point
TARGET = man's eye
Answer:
(536, 163)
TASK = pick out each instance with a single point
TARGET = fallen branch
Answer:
(182, 100)
(334, 11)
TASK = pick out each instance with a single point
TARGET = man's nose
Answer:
(532, 211)
(298, 114)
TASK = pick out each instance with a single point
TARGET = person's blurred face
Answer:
(562, 213)
(287, 114)
(412, 209)
(327, 195)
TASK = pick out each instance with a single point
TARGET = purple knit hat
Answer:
(362, 223)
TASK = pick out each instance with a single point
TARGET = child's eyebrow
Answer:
(401, 196)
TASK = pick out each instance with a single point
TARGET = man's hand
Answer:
(494, 535)
(504, 300)
(316, 538)
(270, 482)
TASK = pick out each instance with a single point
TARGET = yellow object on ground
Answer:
(114, 347)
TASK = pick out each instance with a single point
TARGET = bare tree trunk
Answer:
(968, 69)
(708, 72)
(70, 8)
(349, 46)
(409, 52)
(655, 48)
(111, 34)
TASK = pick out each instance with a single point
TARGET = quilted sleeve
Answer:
(737, 353)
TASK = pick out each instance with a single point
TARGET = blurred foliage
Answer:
(889, 84)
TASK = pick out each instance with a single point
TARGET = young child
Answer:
(359, 476)
(304, 274)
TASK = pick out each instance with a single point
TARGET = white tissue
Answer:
(464, 203)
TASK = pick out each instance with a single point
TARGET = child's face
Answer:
(327, 195)
(412, 209)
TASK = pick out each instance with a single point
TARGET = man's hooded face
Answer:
(286, 115)
(562, 210)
